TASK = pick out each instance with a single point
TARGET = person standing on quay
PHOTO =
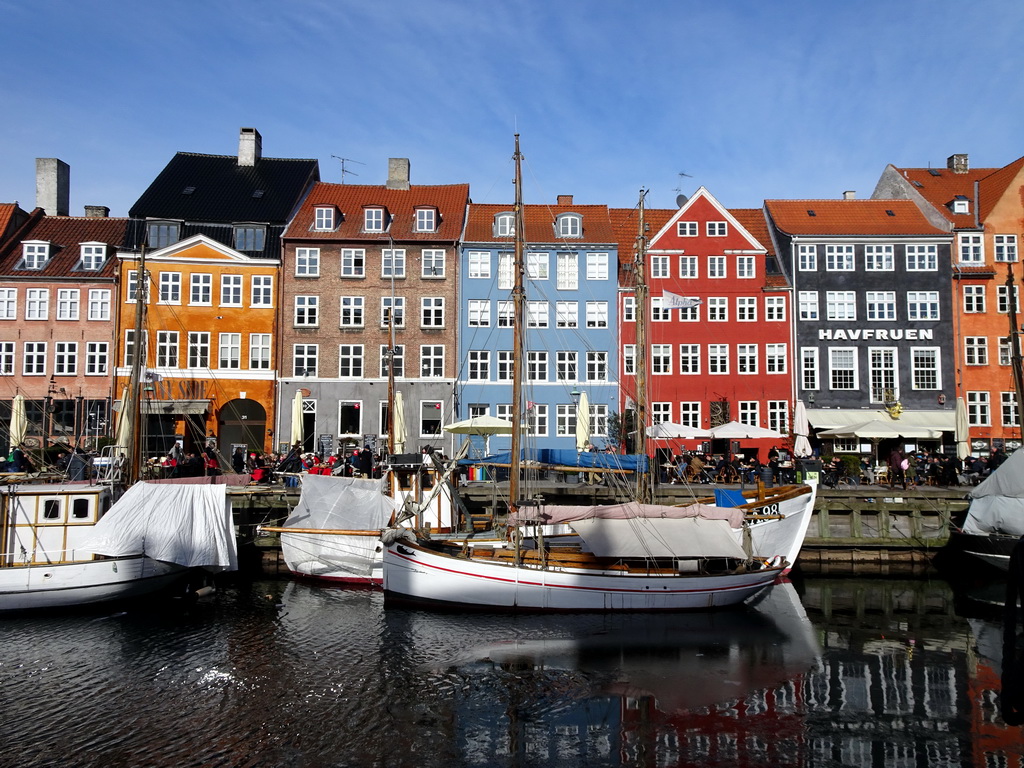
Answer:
(897, 469)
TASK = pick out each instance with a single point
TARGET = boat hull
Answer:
(994, 548)
(784, 530)
(416, 574)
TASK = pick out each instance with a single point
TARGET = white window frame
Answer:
(261, 291)
(433, 263)
(200, 284)
(538, 265)
(839, 257)
(1005, 247)
(392, 262)
(922, 258)
(426, 220)
(351, 312)
(567, 314)
(229, 351)
(323, 220)
(974, 299)
(597, 266)
(8, 303)
(260, 351)
(170, 288)
(880, 306)
(718, 267)
(69, 302)
(99, 304)
(33, 360)
(432, 312)
(689, 267)
(840, 305)
(717, 228)
(807, 257)
(689, 359)
(478, 265)
(850, 367)
(351, 361)
(94, 256)
(37, 304)
(775, 308)
(306, 311)
(353, 262)
(879, 258)
(971, 248)
(231, 287)
(478, 313)
(373, 219)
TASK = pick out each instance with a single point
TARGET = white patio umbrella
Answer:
(733, 430)
(801, 428)
(963, 436)
(481, 426)
(297, 418)
(19, 421)
(582, 423)
(398, 422)
(668, 430)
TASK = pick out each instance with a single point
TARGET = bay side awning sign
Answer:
(909, 424)
(171, 407)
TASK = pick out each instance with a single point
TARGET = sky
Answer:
(751, 99)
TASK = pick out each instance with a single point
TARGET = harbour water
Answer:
(840, 672)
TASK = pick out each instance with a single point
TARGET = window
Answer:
(775, 308)
(922, 305)
(249, 237)
(97, 357)
(659, 266)
(478, 313)
(160, 234)
(229, 347)
(307, 262)
(809, 368)
(350, 361)
(34, 359)
(478, 265)
(432, 312)
(167, 349)
(718, 309)
(841, 305)
(661, 412)
(506, 314)
(94, 255)
(350, 417)
(198, 349)
(566, 366)
(426, 219)
(978, 414)
(750, 411)
(170, 288)
(778, 416)
(306, 311)
(746, 266)
(397, 358)
(262, 293)
(882, 373)
(65, 358)
(392, 308)
(775, 357)
(922, 258)
(304, 359)
(718, 358)
(974, 298)
(567, 314)
(536, 366)
(37, 304)
(565, 420)
(878, 258)
(1006, 247)
(597, 266)
(351, 311)
(504, 371)
(353, 262)
(431, 361)
(1008, 401)
(629, 309)
(597, 366)
(430, 418)
(746, 358)
(807, 258)
(99, 304)
(68, 302)
(881, 305)
(689, 314)
(597, 314)
(629, 360)
(479, 365)
(129, 346)
(717, 267)
(504, 225)
(808, 305)
(373, 220)
(1002, 302)
(537, 266)
(324, 218)
(200, 289)
(231, 290)
(432, 263)
(659, 312)
(392, 262)
(688, 267)
(689, 358)
(1004, 350)
(505, 278)
(686, 228)
(842, 368)
(259, 351)
(746, 309)
(537, 419)
(9, 304)
(35, 255)
(976, 348)
(839, 258)
(537, 314)
(972, 249)
(599, 420)
(569, 225)
(689, 414)
(716, 228)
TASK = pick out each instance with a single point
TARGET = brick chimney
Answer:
(96, 212)
(565, 199)
(53, 186)
(398, 173)
(958, 163)
(250, 147)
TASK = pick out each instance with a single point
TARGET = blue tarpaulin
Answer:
(569, 458)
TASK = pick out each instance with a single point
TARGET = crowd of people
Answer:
(697, 467)
(924, 467)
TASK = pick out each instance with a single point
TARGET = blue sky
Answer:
(753, 100)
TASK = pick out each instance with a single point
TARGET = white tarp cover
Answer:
(554, 514)
(664, 537)
(997, 503)
(187, 524)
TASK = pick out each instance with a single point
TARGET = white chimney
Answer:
(250, 147)
(398, 173)
(849, 195)
(53, 186)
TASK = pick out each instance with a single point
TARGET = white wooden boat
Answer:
(995, 519)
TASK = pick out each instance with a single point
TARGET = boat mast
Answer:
(131, 468)
(390, 354)
(1015, 359)
(643, 490)
(518, 352)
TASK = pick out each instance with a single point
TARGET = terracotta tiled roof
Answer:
(753, 220)
(65, 235)
(776, 281)
(625, 223)
(7, 211)
(850, 217)
(940, 186)
(539, 223)
(994, 186)
(450, 200)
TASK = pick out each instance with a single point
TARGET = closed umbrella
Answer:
(398, 423)
(297, 418)
(583, 423)
(963, 436)
(123, 431)
(801, 428)
(19, 421)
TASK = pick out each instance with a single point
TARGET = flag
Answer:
(675, 301)
(530, 405)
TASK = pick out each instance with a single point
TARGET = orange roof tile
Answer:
(850, 217)
(539, 223)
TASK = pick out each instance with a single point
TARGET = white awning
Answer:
(659, 537)
(833, 418)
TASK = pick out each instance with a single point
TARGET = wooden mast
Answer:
(518, 351)
(1015, 359)
(643, 488)
(133, 449)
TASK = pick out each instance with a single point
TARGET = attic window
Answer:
(257, 193)
(811, 212)
(889, 212)
(35, 254)
(934, 171)
(324, 219)
(569, 225)
(160, 234)
(426, 219)
(504, 225)
(188, 190)
(917, 184)
(373, 220)
(249, 237)
(961, 204)
(93, 256)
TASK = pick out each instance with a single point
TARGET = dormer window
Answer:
(324, 218)
(504, 225)
(960, 204)
(250, 237)
(160, 234)
(36, 254)
(93, 256)
(373, 220)
(426, 219)
(569, 225)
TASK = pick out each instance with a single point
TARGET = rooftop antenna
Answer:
(344, 160)
(681, 198)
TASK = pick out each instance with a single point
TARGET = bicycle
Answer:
(838, 478)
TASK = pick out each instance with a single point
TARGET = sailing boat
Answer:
(632, 556)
